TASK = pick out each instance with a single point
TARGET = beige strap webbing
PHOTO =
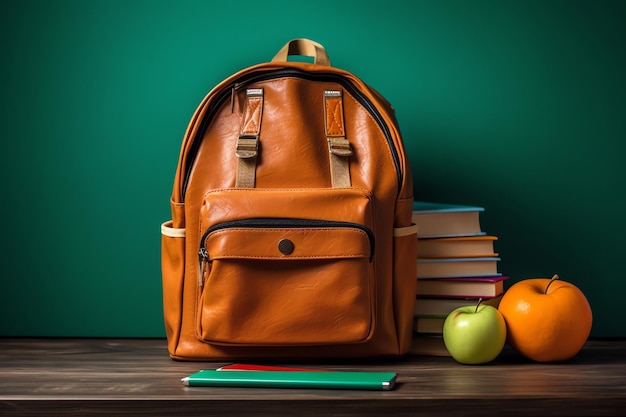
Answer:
(338, 146)
(303, 47)
(248, 142)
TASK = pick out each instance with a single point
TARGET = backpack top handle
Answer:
(303, 47)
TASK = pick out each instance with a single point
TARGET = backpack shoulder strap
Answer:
(248, 143)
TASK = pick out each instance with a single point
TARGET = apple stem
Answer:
(480, 300)
(554, 278)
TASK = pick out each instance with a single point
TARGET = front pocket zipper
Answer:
(286, 282)
(204, 257)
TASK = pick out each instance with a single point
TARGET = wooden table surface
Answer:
(80, 377)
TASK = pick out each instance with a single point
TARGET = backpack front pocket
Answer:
(286, 281)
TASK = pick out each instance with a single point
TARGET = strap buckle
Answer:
(247, 146)
(339, 146)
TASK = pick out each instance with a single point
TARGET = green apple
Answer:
(474, 334)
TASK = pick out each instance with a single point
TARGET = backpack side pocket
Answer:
(173, 274)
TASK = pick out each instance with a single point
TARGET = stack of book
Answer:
(456, 266)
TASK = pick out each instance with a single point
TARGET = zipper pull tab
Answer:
(232, 98)
(233, 93)
(203, 260)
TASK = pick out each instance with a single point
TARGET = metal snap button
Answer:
(285, 246)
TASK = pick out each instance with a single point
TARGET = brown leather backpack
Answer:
(291, 234)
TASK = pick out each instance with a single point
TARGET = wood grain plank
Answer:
(136, 377)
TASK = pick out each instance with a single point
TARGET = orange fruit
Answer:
(547, 320)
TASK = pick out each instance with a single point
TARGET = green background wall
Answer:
(516, 106)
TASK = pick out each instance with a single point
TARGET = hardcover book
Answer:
(457, 247)
(462, 287)
(428, 325)
(457, 267)
(444, 220)
(441, 307)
